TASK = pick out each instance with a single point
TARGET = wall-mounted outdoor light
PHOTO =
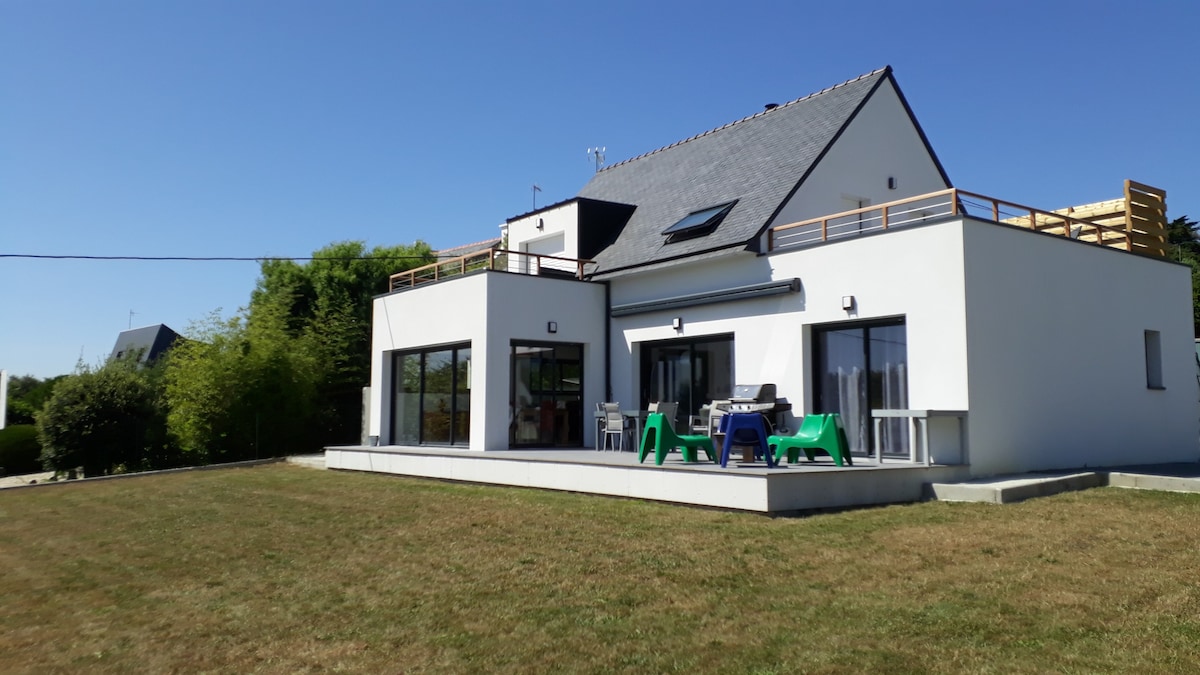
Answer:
(847, 302)
(891, 182)
(541, 224)
(552, 327)
(677, 323)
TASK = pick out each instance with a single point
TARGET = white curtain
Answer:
(852, 398)
(895, 396)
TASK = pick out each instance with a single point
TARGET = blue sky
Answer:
(272, 128)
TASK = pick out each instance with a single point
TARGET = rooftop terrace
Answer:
(1135, 223)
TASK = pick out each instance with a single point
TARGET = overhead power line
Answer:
(209, 258)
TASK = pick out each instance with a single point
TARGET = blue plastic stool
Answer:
(732, 423)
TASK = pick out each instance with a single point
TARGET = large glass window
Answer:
(546, 397)
(431, 401)
(862, 367)
(688, 372)
(406, 419)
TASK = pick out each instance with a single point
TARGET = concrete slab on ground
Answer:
(25, 479)
(1166, 477)
(1009, 489)
(316, 461)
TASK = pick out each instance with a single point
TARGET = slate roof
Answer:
(759, 161)
(149, 341)
(467, 249)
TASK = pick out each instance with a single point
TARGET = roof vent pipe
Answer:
(770, 106)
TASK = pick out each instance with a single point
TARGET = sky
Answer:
(248, 128)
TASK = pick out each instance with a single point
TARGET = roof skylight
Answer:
(698, 223)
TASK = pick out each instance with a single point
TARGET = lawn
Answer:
(286, 569)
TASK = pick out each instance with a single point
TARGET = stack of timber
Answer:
(1137, 222)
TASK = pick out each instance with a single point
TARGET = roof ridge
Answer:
(885, 69)
(474, 243)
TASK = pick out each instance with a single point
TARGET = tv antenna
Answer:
(597, 155)
(131, 313)
(536, 189)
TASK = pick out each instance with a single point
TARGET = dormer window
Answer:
(698, 223)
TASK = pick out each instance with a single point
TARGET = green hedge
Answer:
(19, 450)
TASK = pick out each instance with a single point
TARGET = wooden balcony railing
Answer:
(1136, 223)
(517, 262)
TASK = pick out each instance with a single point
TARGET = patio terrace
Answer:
(746, 487)
(1134, 223)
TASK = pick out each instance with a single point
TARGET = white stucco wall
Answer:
(1041, 339)
(562, 221)
(1057, 355)
(881, 142)
(488, 310)
(443, 313)
(519, 308)
(915, 273)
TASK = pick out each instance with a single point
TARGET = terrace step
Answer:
(1009, 489)
(1142, 481)
(1175, 477)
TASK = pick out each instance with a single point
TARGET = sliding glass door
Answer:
(860, 367)
(546, 397)
(689, 372)
(431, 398)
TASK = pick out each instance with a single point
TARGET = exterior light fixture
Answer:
(847, 302)
(541, 224)
(891, 182)
(677, 323)
(552, 327)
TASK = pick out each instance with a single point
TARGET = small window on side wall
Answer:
(1154, 378)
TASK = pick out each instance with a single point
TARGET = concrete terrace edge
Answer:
(760, 491)
(1012, 489)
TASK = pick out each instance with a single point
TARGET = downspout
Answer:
(608, 391)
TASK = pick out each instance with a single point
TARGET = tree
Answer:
(1183, 236)
(20, 451)
(284, 375)
(1182, 232)
(101, 420)
(26, 396)
(242, 388)
(329, 301)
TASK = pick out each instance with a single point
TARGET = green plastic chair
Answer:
(662, 438)
(818, 432)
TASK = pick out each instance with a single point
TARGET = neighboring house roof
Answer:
(467, 249)
(149, 342)
(759, 161)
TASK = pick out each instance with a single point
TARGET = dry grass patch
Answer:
(285, 569)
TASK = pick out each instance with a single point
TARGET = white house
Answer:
(1018, 339)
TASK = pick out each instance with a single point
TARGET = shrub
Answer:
(100, 420)
(19, 449)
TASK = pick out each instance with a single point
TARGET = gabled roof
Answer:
(759, 161)
(467, 249)
(148, 342)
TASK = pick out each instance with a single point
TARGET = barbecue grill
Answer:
(759, 398)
